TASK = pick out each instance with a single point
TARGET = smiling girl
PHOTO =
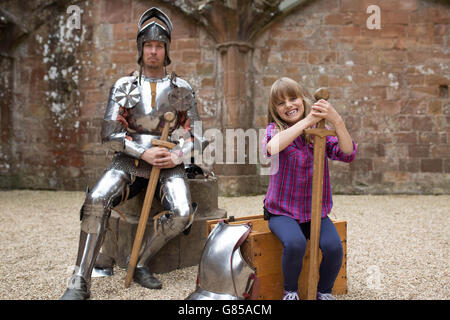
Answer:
(287, 204)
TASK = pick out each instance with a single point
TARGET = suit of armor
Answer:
(133, 117)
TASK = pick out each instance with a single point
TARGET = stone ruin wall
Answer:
(390, 85)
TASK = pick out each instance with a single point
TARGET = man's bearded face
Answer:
(154, 53)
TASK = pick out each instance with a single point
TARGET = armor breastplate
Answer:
(223, 273)
(147, 116)
(145, 104)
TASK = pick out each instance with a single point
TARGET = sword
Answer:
(320, 134)
(149, 195)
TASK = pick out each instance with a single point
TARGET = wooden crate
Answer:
(262, 250)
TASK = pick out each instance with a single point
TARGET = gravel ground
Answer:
(398, 247)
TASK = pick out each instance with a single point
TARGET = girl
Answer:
(287, 204)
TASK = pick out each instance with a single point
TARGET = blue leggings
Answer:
(293, 237)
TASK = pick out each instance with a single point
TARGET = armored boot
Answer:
(145, 278)
(79, 283)
(77, 289)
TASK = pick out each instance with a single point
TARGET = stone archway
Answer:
(11, 31)
(18, 23)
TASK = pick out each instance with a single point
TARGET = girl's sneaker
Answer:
(290, 295)
(325, 296)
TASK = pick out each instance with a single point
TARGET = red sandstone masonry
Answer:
(388, 84)
(392, 75)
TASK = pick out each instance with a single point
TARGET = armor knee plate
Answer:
(176, 197)
(92, 217)
(97, 204)
(176, 221)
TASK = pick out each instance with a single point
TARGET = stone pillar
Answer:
(238, 112)
(230, 24)
(236, 63)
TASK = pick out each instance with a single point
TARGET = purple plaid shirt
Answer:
(290, 187)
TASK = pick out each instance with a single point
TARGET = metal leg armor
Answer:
(95, 214)
(176, 198)
(108, 192)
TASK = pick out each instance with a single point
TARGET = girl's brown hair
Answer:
(287, 88)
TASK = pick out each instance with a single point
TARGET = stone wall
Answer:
(390, 85)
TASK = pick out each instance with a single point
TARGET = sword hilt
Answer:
(321, 93)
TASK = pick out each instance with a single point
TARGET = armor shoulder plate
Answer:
(126, 92)
(179, 82)
(182, 96)
(124, 80)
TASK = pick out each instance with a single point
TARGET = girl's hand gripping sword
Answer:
(320, 134)
(149, 195)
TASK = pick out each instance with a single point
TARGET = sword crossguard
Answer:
(320, 132)
(162, 143)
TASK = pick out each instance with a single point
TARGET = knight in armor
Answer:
(133, 117)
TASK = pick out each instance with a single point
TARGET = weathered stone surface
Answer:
(389, 85)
